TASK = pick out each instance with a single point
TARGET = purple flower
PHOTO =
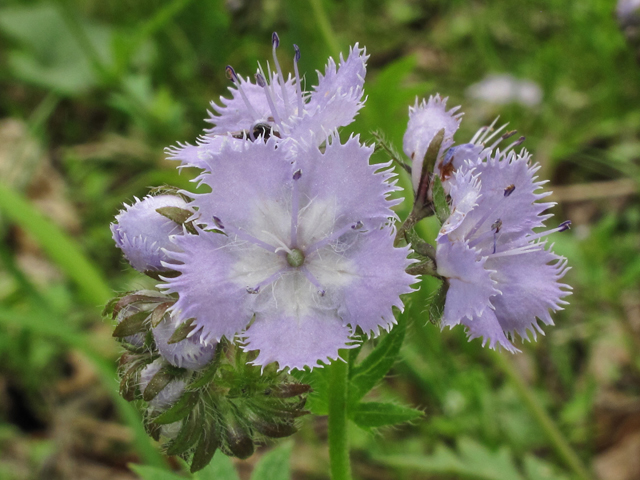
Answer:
(275, 106)
(296, 252)
(426, 119)
(142, 233)
(189, 353)
(501, 279)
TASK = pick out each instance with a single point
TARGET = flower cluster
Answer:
(499, 276)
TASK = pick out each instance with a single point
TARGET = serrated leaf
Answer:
(440, 200)
(374, 414)
(178, 410)
(364, 376)
(153, 473)
(136, 323)
(274, 465)
(473, 460)
(220, 468)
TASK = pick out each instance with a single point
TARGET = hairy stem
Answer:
(338, 440)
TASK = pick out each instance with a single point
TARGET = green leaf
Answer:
(188, 435)
(274, 465)
(221, 468)
(472, 460)
(207, 446)
(179, 410)
(318, 399)
(153, 473)
(440, 200)
(374, 414)
(365, 375)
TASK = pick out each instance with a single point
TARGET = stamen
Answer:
(486, 131)
(534, 247)
(515, 144)
(255, 290)
(283, 246)
(263, 83)
(296, 59)
(496, 226)
(333, 237)
(496, 132)
(314, 281)
(560, 228)
(231, 74)
(475, 137)
(275, 41)
(244, 236)
(295, 208)
(509, 190)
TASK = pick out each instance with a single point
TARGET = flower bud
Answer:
(169, 394)
(189, 353)
(142, 233)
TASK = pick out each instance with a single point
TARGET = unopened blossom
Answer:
(143, 234)
(502, 279)
(296, 252)
(275, 105)
(189, 353)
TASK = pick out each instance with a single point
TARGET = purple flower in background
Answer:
(189, 353)
(296, 248)
(501, 279)
(143, 234)
(277, 106)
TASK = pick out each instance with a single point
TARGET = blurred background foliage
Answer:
(92, 91)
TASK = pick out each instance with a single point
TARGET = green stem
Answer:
(325, 27)
(551, 430)
(338, 440)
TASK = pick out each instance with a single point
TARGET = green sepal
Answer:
(182, 331)
(136, 323)
(364, 376)
(375, 414)
(134, 297)
(188, 435)
(108, 309)
(158, 313)
(238, 440)
(274, 429)
(428, 164)
(157, 383)
(207, 446)
(209, 373)
(178, 410)
(440, 200)
(382, 143)
(152, 430)
(179, 216)
(287, 390)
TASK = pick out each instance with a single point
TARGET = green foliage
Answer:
(369, 415)
(473, 461)
(274, 465)
(440, 200)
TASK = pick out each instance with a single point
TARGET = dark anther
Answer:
(297, 56)
(322, 293)
(260, 79)
(509, 134)
(566, 225)
(297, 174)
(252, 290)
(231, 73)
(275, 40)
(497, 225)
(358, 225)
(218, 222)
(509, 190)
(519, 141)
